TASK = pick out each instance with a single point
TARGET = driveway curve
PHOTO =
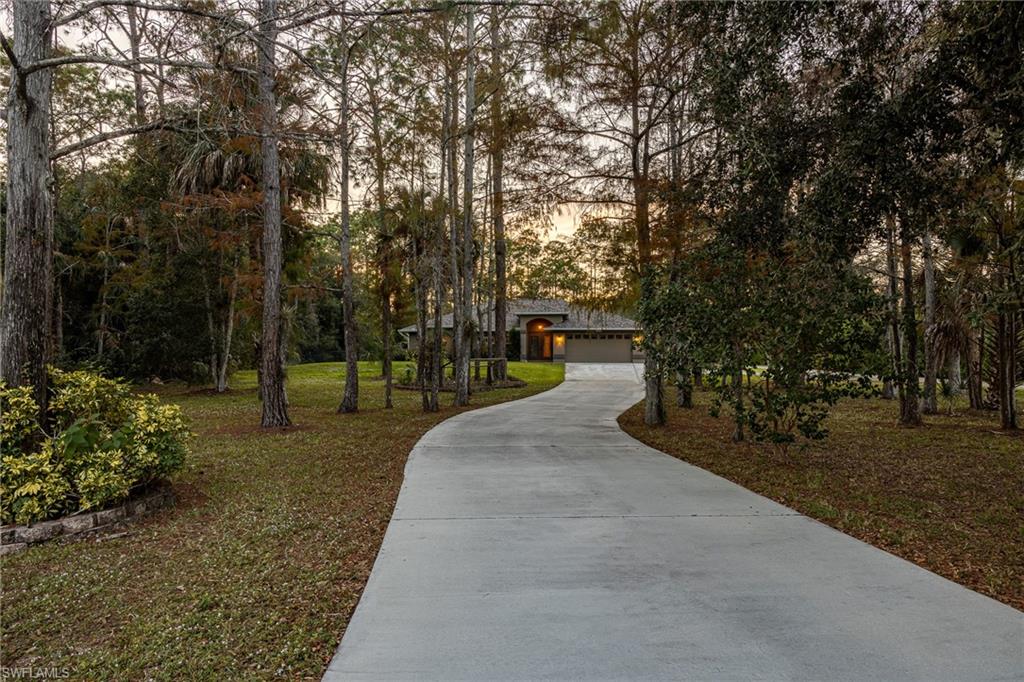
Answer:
(536, 540)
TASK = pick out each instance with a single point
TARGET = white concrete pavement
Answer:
(536, 540)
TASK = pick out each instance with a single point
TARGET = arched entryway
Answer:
(538, 339)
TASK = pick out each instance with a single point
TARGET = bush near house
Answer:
(99, 443)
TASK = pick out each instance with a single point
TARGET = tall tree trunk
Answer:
(888, 388)
(1006, 369)
(975, 392)
(488, 322)
(437, 339)
(384, 239)
(684, 388)
(953, 373)
(26, 307)
(498, 198)
(654, 406)
(423, 360)
(350, 398)
(228, 335)
(737, 389)
(910, 413)
(1006, 353)
(684, 375)
(437, 355)
(221, 330)
(134, 39)
(489, 336)
(654, 387)
(385, 260)
(462, 366)
(483, 246)
(275, 403)
(211, 329)
(385, 324)
(892, 304)
(930, 401)
(455, 233)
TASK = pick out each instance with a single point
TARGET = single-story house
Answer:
(552, 330)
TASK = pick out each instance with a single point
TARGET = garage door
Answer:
(612, 348)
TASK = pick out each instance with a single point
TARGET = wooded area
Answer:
(802, 202)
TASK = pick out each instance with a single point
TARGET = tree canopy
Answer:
(824, 197)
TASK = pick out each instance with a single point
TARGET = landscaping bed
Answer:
(948, 496)
(98, 444)
(256, 569)
(17, 538)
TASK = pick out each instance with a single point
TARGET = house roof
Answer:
(511, 320)
(577, 319)
(594, 320)
(513, 309)
(526, 306)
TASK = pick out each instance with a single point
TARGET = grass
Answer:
(948, 496)
(255, 572)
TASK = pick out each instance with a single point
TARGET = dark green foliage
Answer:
(150, 248)
(318, 329)
(513, 349)
(128, 285)
(804, 332)
(765, 295)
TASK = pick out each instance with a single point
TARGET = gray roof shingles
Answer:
(578, 319)
(593, 320)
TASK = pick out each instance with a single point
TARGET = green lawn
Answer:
(256, 571)
(947, 496)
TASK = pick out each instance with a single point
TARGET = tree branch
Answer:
(99, 138)
(181, 8)
(409, 11)
(130, 65)
(9, 51)
(683, 142)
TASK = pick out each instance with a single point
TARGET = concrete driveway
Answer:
(536, 540)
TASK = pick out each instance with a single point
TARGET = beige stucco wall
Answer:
(558, 347)
(525, 320)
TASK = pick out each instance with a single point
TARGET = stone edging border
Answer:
(16, 538)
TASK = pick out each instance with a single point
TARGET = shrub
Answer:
(809, 328)
(81, 394)
(19, 420)
(105, 442)
(33, 486)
